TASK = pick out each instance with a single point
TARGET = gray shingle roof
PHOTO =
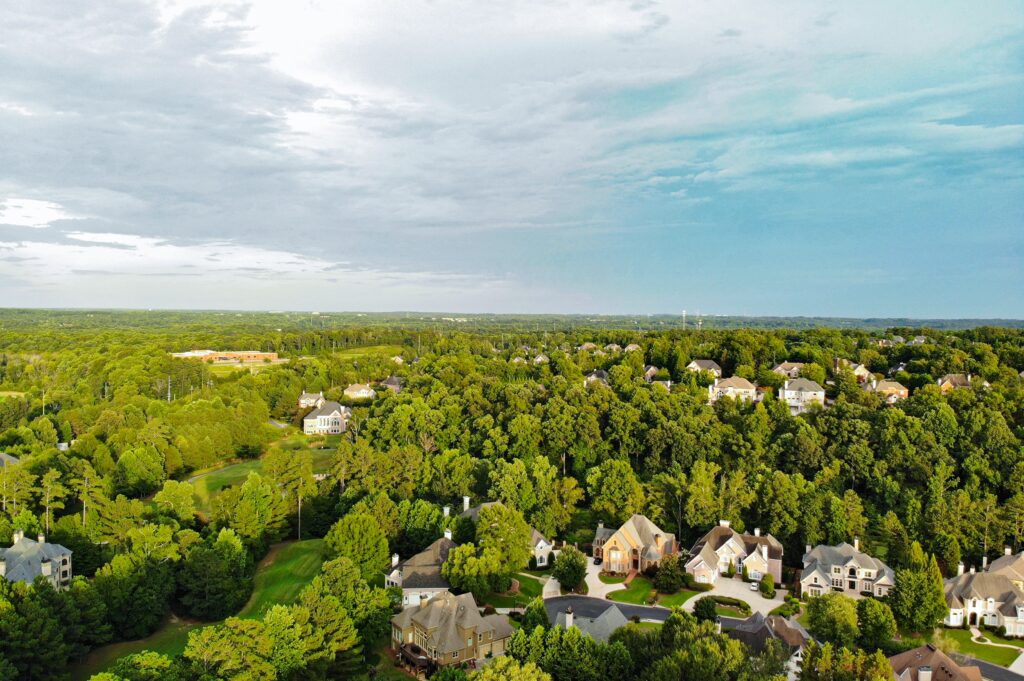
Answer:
(8, 460)
(822, 557)
(25, 558)
(423, 571)
(599, 628)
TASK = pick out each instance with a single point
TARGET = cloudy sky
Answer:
(732, 157)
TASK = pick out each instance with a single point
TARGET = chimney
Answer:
(568, 617)
(856, 543)
(785, 385)
(394, 560)
(18, 534)
(874, 383)
(1007, 551)
(600, 524)
(447, 511)
(3, 567)
(465, 503)
(757, 531)
(984, 563)
(447, 533)
(723, 523)
(423, 599)
(807, 549)
(924, 674)
(960, 569)
(718, 625)
(764, 552)
(972, 569)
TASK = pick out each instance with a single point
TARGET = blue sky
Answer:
(731, 157)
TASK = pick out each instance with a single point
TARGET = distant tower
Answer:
(684, 320)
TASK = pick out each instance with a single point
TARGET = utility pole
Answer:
(168, 388)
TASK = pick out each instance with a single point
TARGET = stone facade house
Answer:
(985, 598)
(757, 630)
(736, 387)
(1010, 566)
(705, 365)
(27, 559)
(360, 391)
(928, 663)
(846, 569)
(599, 628)
(890, 391)
(540, 546)
(723, 547)
(329, 418)
(800, 394)
(788, 369)
(448, 630)
(637, 545)
(419, 577)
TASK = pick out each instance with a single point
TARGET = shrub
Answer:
(704, 609)
(670, 577)
(767, 586)
(570, 567)
(532, 565)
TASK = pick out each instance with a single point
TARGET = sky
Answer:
(592, 156)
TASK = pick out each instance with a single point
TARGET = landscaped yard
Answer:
(639, 592)
(676, 599)
(611, 579)
(996, 638)
(279, 579)
(529, 588)
(994, 654)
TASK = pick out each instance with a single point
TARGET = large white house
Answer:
(723, 548)
(736, 387)
(985, 598)
(329, 418)
(800, 394)
(845, 569)
(27, 559)
(709, 365)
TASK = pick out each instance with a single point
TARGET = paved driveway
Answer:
(737, 588)
(595, 587)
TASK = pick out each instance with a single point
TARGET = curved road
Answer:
(586, 606)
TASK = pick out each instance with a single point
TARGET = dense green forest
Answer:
(938, 474)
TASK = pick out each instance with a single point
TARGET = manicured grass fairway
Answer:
(1004, 657)
(279, 579)
(638, 592)
(382, 350)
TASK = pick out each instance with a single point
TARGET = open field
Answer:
(280, 577)
(370, 350)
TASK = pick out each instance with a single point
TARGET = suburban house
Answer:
(587, 347)
(599, 628)
(26, 559)
(723, 547)
(329, 418)
(394, 384)
(8, 460)
(1010, 566)
(789, 369)
(954, 381)
(650, 371)
(800, 394)
(861, 372)
(985, 598)
(540, 547)
(541, 359)
(891, 391)
(757, 630)
(518, 360)
(736, 387)
(633, 347)
(397, 359)
(846, 569)
(705, 365)
(419, 577)
(448, 630)
(360, 391)
(637, 545)
(598, 376)
(308, 400)
(613, 347)
(918, 340)
(928, 663)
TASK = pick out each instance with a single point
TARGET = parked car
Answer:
(754, 586)
(597, 560)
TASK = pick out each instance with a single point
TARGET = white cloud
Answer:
(22, 212)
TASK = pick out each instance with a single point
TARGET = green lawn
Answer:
(1003, 657)
(279, 579)
(529, 588)
(730, 611)
(676, 599)
(996, 638)
(378, 350)
(647, 626)
(611, 579)
(639, 592)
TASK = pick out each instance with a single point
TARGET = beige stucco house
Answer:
(723, 547)
(448, 630)
(736, 387)
(637, 545)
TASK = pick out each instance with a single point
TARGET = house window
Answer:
(455, 655)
